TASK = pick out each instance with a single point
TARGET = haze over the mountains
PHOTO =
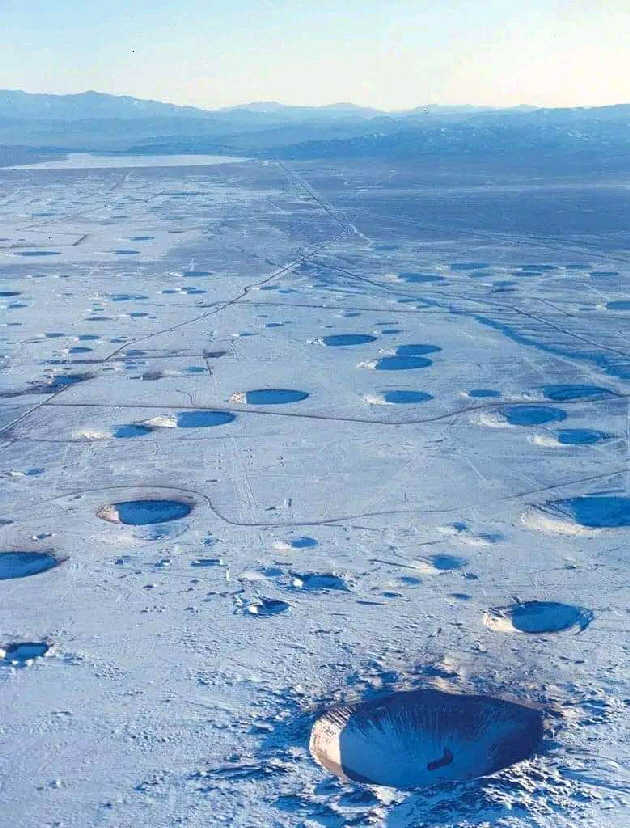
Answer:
(95, 121)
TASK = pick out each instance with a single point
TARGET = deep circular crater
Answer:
(593, 511)
(25, 650)
(23, 564)
(339, 340)
(274, 396)
(144, 512)
(425, 737)
(204, 419)
(532, 415)
(403, 397)
(537, 617)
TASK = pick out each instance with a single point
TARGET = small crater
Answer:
(144, 512)
(131, 430)
(340, 340)
(400, 363)
(538, 617)
(39, 253)
(532, 415)
(469, 265)
(483, 393)
(590, 511)
(204, 419)
(425, 737)
(563, 393)
(580, 436)
(319, 582)
(24, 651)
(266, 607)
(23, 564)
(446, 563)
(421, 278)
(270, 396)
(402, 397)
(417, 350)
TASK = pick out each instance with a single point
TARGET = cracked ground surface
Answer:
(164, 695)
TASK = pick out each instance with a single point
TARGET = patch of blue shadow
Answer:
(562, 393)
(580, 436)
(537, 617)
(402, 397)
(469, 265)
(131, 430)
(532, 415)
(483, 393)
(341, 340)
(204, 419)
(146, 512)
(402, 363)
(24, 564)
(274, 396)
(594, 511)
(417, 349)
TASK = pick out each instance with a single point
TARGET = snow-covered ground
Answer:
(450, 450)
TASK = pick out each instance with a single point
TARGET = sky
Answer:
(391, 54)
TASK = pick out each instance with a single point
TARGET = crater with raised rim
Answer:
(144, 512)
(23, 564)
(425, 737)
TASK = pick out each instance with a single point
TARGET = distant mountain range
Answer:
(101, 122)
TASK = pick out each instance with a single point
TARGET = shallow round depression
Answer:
(144, 512)
(23, 564)
(425, 737)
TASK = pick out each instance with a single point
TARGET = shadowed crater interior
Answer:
(338, 340)
(274, 396)
(593, 511)
(144, 512)
(204, 419)
(532, 415)
(562, 393)
(424, 737)
(403, 397)
(23, 564)
(25, 651)
(539, 617)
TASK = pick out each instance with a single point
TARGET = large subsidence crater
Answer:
(425, 737)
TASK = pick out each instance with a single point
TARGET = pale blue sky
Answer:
(387, 54)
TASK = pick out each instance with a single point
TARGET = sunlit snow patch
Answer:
(425, 737)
